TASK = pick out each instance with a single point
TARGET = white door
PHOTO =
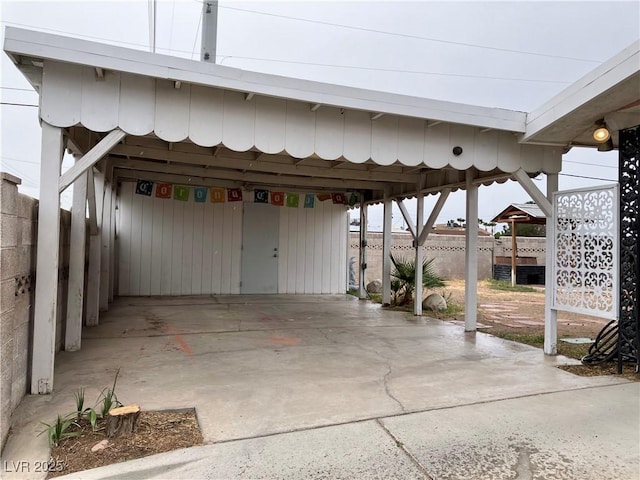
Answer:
(260, 233)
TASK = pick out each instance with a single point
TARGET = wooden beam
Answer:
(315, 106)
(407, 218)
(444, 194)
(419, 255)
(48, 251)
(90, 158)
(550, 314)
(260, 164)
(363, 252)
(91, 200)
(534, 192)
(386, 248)
(95, 245)
(249, 177)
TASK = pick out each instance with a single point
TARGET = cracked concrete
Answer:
(264, 370)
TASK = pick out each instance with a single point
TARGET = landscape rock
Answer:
(100, 446)
(375, 286)
(434, 302)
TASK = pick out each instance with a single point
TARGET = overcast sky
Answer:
(513, 55)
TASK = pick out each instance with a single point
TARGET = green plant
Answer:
(81, 411)
(404, 278)
(109, 398)
(58, 431)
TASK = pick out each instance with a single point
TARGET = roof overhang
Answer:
(202, 123)
(611, 92)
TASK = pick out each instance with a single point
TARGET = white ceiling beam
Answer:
(376, 116)
(249, 177)
(249, 96)
(260, 164)
(90, 158)
(99, 72)
(315, 106)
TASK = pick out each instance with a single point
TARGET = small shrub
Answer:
(57, 431)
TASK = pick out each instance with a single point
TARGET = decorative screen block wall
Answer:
(586, 251)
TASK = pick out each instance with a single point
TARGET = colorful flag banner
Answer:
(261, 196)
(309, 200)
(217, 195)
(234, 195)
(277, 198)
(353, 199)
(163, 190)
(293, 200)
(144, 187)
(180, 192)
(338, 198)
(323, 196)
(200, 194)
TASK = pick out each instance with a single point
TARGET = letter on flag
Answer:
(180, 192)
(309, 200)
(338, 198)
(234, 195)
(277, 198)
(144, 187)
(217, 195)
(261, 196)
(293, 200)
(163, 190)
(200, 194)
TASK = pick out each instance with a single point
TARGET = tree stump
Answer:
(122, 421)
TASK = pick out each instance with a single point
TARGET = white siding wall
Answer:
(313, 251)
(169, 247)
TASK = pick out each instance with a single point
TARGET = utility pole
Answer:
(209, 30)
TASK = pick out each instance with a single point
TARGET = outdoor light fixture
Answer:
(606, 146)
(601, 134)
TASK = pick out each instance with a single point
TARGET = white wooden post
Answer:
(417, 303)
(550, 315)
(112, 242)
(96, 186)
(73, 330)
(44, 328)
(386, 250)
(105, 232)
(363, 251)
(471, 257)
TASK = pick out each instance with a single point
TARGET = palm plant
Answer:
(403, 281)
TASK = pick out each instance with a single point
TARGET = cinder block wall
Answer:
(18, 234)
(448, 252)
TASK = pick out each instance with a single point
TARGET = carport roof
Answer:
(206, 124)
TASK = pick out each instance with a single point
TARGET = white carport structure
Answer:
(128, 114)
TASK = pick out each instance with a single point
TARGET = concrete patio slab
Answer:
(262, 365)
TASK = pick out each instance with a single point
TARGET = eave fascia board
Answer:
(109, 57)
(595, 83)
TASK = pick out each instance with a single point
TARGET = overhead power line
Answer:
(585, 176)
(406, 35)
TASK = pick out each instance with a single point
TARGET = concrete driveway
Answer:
(334, 387)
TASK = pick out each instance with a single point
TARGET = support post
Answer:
(75, 299)
(95, 188)
(44, 327)
(112, 242)
(514, 253)
(417, 304)
(471, 256)
(105, 232)
(431, 221)
(386, 249)
(363, 251)
(550, 314)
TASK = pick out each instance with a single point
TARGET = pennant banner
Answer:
(144, 187)
(180, 192)
(353, 199)
(277, 198)
(293, 200)
(163, 190)
(323, 196)
(261, 196)
(338, 198)
(200, 194)
(217, 195)
(309, 200)
(234, 195)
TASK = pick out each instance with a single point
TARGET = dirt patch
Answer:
(519, 316)
(156, 432)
